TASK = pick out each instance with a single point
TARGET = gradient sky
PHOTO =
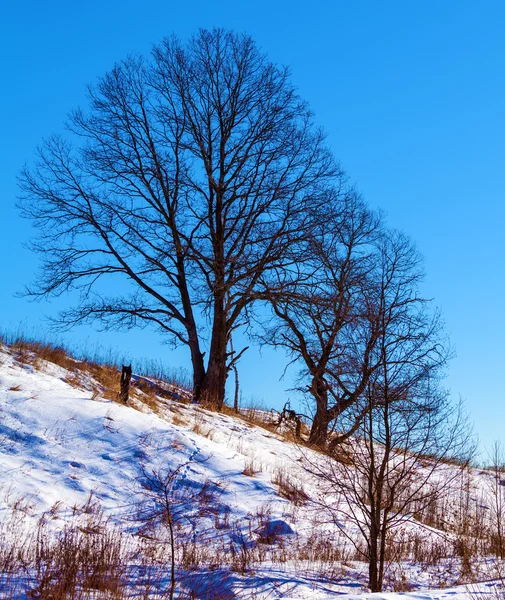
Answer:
(412, 96)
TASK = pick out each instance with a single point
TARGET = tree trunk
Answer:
(382, 554)
(172, 559)
(319, 431)
(198, 370)
(237, 390)
(193, 339)
(373, 571)
(235, 372)
(213, 386)
(212, 391)
(373, 575)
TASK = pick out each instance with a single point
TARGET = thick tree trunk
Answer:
(373, 571)
(319, 431)
(320, 424)
(373, 575)
(213, 386)
(193, 339)
(212, 391)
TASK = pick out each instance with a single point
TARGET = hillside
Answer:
(84, 476)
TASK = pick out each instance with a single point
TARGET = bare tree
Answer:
(400, 331)
(398, 463)
(398, 459)
(321, 312)
(187, 180)
(167, 500)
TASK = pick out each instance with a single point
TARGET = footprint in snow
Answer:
(76, 465)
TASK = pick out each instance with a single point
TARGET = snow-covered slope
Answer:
(63, 447)
(59, 445)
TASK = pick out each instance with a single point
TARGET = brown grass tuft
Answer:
(251, 468)
(290, 489)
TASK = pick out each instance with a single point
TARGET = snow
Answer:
(481, 591)
(61, 447)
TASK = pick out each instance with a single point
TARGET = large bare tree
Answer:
(184, 182)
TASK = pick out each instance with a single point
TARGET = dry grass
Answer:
(106, 376)
(33, 353)
(149, 399)
(82, 558)
(36, 354)
(251, 468)
(267, 420)
(179, 420)
(90, 559)
(290, 489)
(102, 375)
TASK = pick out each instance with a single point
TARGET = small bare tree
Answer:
(397, 464)
(168, 499)
(407, 430)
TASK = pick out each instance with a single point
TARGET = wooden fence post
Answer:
(126, 375)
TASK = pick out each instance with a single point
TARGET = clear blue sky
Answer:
(412, 96)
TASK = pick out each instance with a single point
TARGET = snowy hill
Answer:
(246, 519)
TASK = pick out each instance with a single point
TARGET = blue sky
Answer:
(411, 95)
